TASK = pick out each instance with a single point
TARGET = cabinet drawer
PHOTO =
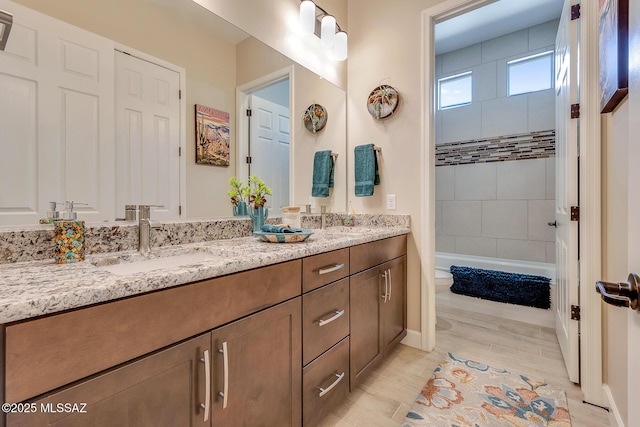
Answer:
(324, 268)
(325, 318)
(329, 372)
(371, 254)
(46, 353)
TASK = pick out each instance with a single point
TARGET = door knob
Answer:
(553, 224)
(621, 294)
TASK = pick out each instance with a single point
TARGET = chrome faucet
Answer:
(323, 216)
(144, 227)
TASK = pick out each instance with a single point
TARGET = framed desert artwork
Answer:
(613, 33)
(212, 136)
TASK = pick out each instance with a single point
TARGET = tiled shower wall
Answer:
(495, 194)
(497, 209)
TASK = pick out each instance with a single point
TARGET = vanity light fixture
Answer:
(316, 20)
(6, 20)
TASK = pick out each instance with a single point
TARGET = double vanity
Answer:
(213, 333)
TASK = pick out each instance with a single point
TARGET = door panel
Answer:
(263, 374)
(270, 148)
(567, 280)
(147, 136)
(56, 106)
(164, 389)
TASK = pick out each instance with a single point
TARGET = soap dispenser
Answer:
(52, 214)
(69, 237)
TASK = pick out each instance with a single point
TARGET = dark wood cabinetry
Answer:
(378, 303)
(274, 346)
(163, 389)
(394, 307)
(256, 369)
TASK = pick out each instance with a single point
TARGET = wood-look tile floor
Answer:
(385, 397)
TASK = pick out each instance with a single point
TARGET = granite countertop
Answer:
(34, 288)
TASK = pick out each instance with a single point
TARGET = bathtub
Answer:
(508, 311)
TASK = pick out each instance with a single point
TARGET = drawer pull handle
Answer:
(386, 287)
(207, 384)
(326, 270)
(336, 314)
(225, 368)
(324, 391)
(390, 283)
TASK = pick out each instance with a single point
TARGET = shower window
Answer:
(454, 91)
(530, 74)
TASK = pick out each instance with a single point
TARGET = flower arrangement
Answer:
(254, 194)
(257, 192)
(238, 193)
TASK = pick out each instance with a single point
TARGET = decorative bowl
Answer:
(283, 237)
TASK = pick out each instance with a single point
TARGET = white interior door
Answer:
(567, 190)
(56, 115)
(147, 136)
(269, 147)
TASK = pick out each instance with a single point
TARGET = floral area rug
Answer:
(464, 393)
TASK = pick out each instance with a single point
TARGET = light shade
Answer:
(328, 30)
(308, 16)
(340, 46)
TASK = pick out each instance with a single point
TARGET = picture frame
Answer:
(212, 136)
(613, 33)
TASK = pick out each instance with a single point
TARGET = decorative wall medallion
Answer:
(383, 101)
(315, 118)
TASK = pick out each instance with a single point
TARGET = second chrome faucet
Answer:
(145, 224)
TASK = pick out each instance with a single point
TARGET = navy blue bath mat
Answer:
(512, 288)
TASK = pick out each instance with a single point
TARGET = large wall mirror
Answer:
(222, 66)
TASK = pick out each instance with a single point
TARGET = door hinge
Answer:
(179, 151)
(248, 161)
(179, 209)
(179, 93)
(575, 111)
(575, 213)
(575, 12)
(575, 312)
(248, 112)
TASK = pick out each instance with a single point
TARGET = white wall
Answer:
(492, 112)
(497, 209)
(275, 22)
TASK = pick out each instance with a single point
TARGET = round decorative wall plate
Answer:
(383, 101)
(315, 118)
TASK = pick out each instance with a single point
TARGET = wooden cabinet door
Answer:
(163, 389)
(394, 307)
(366, 334)
(257, 369)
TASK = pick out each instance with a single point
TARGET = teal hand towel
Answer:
(322, 174)
(365, 170)
(268, 228)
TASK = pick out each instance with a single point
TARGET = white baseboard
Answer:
(413, 339)
(615, 420)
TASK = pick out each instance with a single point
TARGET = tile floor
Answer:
(385, 397)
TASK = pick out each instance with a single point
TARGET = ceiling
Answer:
(496, 19)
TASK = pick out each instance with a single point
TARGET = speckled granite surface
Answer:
(28, 243)
(34, 288)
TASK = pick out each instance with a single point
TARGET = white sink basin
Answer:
(161, 263)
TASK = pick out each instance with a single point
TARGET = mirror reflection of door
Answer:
(269, 141)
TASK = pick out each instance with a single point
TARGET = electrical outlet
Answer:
(312, 202)
(391, 202)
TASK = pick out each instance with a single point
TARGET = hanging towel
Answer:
(322, 173)
(366, 170)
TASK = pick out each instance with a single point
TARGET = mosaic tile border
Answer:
(532, 145)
